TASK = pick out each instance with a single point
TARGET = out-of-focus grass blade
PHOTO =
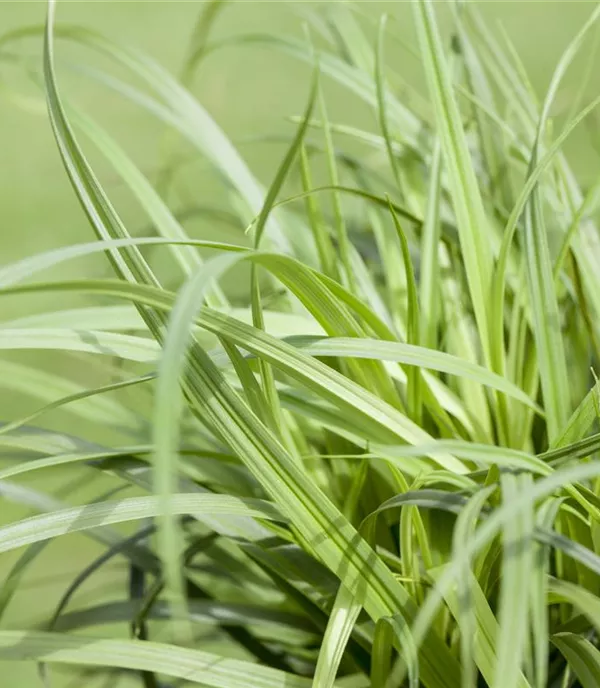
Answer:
(47, 526)
(25, 268)
(341, 231)
(60, 392)
(463, 531)
(588, 205)
(460, 339)
(466, 199)
(533, 178)
(193, 120)
(168, 408)
(354, 79)
(491, 146)
(517, 564)
(160, 214)
(196, 51)
(113, 318)
(381, 102)
(286, 163)
(121, 345)
(201, 611)
(584, 601)
(194, 666)
(502, 71)
(546, 320)
(61, 459)
(582, 656)
(341, 19)
(12, 580)
(485, 639)
(325, 250)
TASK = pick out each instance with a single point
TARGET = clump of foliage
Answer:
(378, 470)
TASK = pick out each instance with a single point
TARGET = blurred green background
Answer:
(249, 91)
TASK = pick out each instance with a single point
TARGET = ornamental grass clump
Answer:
(374, 467)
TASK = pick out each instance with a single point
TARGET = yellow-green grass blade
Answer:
(342, 618)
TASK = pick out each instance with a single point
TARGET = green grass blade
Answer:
(581, 420)
(429, 285)
(412, 328)
(582, 656)
(342, 618)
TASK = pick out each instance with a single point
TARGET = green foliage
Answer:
(378, 468)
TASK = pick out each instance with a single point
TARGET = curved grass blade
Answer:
(74, 519)
(195, 666)
(581, 655)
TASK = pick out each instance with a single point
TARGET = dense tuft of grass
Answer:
(376, 469)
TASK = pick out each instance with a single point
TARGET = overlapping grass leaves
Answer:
(404, 463)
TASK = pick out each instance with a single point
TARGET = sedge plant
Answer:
(377, 466)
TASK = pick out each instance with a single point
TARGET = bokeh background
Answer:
(250, 92)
